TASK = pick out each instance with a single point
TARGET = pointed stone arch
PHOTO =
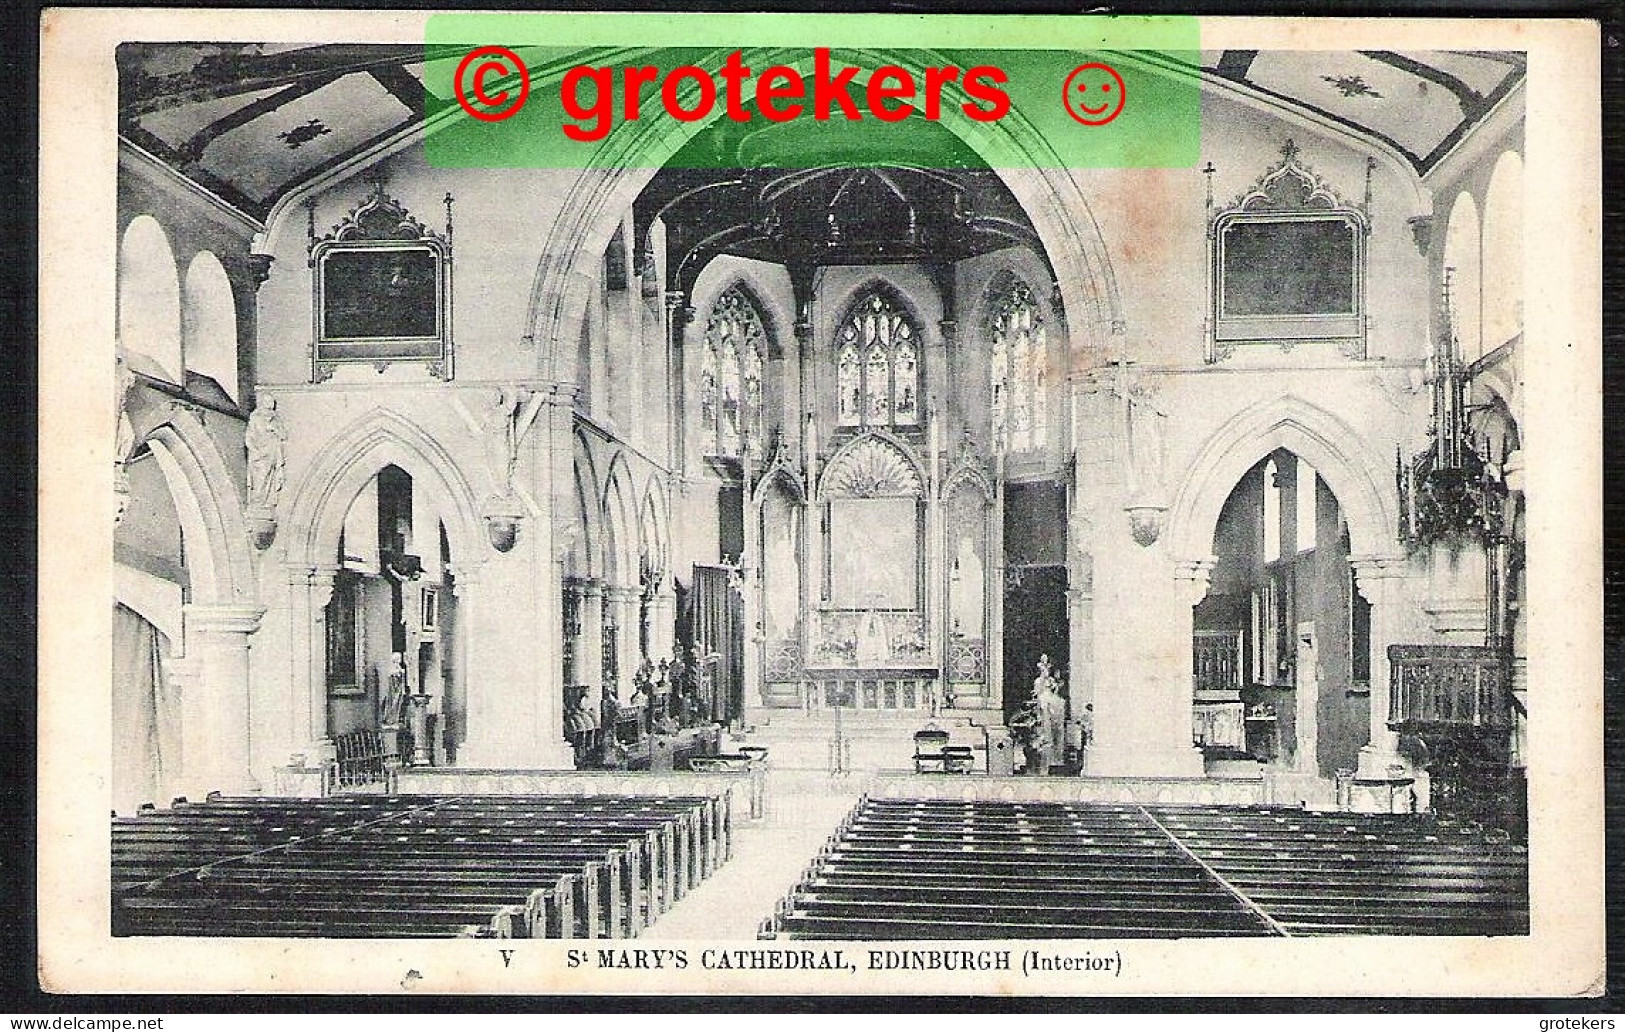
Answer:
(378, 439)
(779, 477)
(585, 508)
(223, 611)
(596, 204)
(888, 288)
(617, 504)
(877, 443)
(1332, 446)
(219, 559)
(969, 472)
(654, 527)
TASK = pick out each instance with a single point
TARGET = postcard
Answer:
(545, 503)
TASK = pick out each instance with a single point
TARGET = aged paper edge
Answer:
(1562, 956)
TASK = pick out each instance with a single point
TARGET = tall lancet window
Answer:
(1020, 362)
(877, 366)
(731, 374)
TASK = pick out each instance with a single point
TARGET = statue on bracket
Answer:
(1147, 500)
(502, 420)
(265, 440)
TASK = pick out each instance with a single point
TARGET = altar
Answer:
(872, 583)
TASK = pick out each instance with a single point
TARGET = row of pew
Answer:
(929, 869)
(414, 866)
(1366, 874)
(935, 869)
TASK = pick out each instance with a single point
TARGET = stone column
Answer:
(1080, 681)
(309, 590)
(510, 667)
(216, 723)
(1143, 713)
(622, 603)
(1381, 582)
(663, 639)
(678, 315)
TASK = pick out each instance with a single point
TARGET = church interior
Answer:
(754, 501)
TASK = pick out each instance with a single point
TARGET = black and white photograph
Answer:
(978, 571)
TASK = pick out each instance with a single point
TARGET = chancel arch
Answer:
(1064, 228)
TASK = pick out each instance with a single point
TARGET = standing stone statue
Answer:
(1051, 729)
(265, 440)
(500, 429)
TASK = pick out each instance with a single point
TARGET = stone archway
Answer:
(1349, 468)
(1331, 445)
(314, 525)
(600, 196)
(223, 613)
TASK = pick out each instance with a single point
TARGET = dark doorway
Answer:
(1035, 622)
(1035, 625)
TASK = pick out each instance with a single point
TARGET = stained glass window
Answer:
(877, 366)
(1019, 359)
(731, 374)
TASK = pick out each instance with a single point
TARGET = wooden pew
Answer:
(414, 865)
(910, 868)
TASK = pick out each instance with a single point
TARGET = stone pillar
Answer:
(590, 643)
(663, 639)
(678, 315)
(1080, 681)
(1381, 582)
(309, 590)
(1143, 713)
(216, 722)
(622, 604)
(510, 669)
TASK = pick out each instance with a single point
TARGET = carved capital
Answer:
(1194, 577)
(223, 619)
(259, 267)
(1421, 232)
(1375, 575)
(678, 309)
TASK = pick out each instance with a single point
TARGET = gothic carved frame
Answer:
(1289, 191)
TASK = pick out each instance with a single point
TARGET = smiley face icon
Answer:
(1094, 93)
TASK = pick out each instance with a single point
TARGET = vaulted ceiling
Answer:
(253, 121)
